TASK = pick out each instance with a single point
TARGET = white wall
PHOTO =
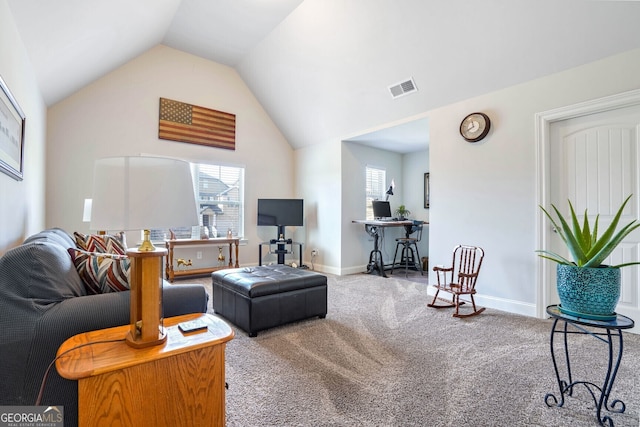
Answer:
(22, 207)
(482, 193)
(485, 193)
(331, 179)
(356, 243)
(118, 115)
(319, 182)
(414, 166)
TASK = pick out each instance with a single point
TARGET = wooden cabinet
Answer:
(172, 272)
(180, 382)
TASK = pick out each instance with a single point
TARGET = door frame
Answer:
(543, 121)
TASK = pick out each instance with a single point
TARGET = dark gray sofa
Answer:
(43, 302)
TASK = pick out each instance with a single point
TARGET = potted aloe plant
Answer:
(402, 212)
(586, 287)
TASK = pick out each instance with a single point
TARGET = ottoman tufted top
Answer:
(267, 279)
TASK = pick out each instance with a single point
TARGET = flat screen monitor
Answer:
(280, 212)
(381, 209)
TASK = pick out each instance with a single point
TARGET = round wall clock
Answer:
(475, 126)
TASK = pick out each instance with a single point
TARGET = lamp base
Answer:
(138, 342)
(146, 327)
(146, 245)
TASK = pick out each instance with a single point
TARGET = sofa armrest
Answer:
(59, 322)
(184, 299)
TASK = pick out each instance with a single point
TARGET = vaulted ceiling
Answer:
(322, 68)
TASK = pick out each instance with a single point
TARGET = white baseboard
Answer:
(502, 304)
(319, 268)
(352, 270)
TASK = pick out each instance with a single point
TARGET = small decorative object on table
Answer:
(587, 288)
(220, 257)
(184, 263)
(402, 212)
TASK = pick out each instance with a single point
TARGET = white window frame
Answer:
(375, 187)
(227, 184)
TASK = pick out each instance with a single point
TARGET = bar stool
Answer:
(408, 244)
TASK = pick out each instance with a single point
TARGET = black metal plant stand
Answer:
(610, 330)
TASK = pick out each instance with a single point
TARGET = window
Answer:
(220, 198)
(375, 181)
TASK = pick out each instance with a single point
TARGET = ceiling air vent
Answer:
(403, 88)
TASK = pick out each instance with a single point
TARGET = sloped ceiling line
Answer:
(320, 67)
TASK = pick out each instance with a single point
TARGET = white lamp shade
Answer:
(138, 193)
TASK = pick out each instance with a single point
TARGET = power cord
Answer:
(46, 373)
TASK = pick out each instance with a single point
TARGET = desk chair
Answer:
(459, 279)
(408, 243)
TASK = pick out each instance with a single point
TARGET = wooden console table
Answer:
(178, 383)
(172, 273)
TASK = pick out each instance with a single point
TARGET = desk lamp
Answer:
(141, 193)
(390, 190)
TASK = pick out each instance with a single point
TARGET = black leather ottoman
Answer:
(258, 298)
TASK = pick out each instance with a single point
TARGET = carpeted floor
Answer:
(383, 358)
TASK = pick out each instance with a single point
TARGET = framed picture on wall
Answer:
(12, 121)
(426, 190)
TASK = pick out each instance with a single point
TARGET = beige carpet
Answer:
(383, 358)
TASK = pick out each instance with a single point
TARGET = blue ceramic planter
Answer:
(592, 293)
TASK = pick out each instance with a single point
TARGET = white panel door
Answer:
(594, 163)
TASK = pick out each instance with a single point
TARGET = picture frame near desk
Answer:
(426, 190)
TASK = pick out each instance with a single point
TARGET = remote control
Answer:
(192, 326)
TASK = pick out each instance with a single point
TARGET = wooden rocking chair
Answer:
(459, 279)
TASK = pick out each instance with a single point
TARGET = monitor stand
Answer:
(281, 247)
(281, 251)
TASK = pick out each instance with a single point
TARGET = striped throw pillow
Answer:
(104, 243)
(101, 272)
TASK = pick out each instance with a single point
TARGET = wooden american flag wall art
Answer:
(197, 125)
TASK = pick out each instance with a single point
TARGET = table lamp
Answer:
(141, 193)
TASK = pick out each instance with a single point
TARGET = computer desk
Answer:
(374, 228)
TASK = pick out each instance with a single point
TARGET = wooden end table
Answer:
(179, 382)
